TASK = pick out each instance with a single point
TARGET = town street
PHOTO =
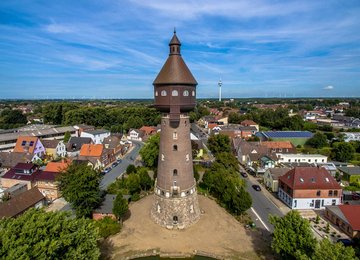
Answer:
(262, 206)
(117, 171)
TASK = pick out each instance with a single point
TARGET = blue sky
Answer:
(114, 49)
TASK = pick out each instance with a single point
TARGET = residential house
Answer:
(10, 159)
(148, 131)
(29, 144)
(280, 146)
(74, 145)
(309, 188)
(83, 128)
(250, 123)
(15, 190)
(271, 177)
(97, 154)
(329, 166)
(136, 135)
(57, 166)
(248, 152)
(350, 174)
(348, 137)
(32, 176)
(298, 157)
(17, 205)
(114, 142)
(105, 209)
(54, 148)
(97, 136)
(346, 217)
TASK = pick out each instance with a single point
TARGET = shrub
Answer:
(107, 227)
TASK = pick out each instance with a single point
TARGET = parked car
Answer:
(105, 171)
(119, 160)
(244, 174)
(114, 164)
(256, 187)
(345, 242)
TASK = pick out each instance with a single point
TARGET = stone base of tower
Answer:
(175, 213)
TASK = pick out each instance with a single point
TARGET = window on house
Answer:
(322, 203)
(175, 148)
(23, 143)
(31, 143)
(312, 203)
(174, 93)
(335, 193)
(163, 93)
(322, 160)
(330, 192)
(318, 193)
(175, 172)
(295, 203)
(333, 202)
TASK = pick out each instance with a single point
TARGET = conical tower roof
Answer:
(175, 70)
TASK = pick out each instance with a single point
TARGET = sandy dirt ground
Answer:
(217, 233)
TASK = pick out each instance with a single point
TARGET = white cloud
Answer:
(328, 88)
(58, 28)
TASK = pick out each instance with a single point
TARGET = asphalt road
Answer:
(262, 207)
(117, 171)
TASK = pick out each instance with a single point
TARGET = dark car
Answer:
(244, 174)
(345, 242)
(114, 164)
(119, 160)
(256, 187)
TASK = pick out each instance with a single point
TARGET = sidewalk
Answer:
(281, 206)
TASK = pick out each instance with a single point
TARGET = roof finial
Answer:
(174, 30)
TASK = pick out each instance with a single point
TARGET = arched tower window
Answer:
(163, 93)
(186, 93)
(174, 93)
(175, 172)
(175, 136)
(156, 93)
(175, 148)
(193, 93)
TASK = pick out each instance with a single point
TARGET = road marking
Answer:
(262, 222)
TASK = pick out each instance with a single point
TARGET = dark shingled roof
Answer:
(175, 70)
(20, 203)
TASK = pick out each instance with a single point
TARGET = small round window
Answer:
(193, 93)
(163, 93)
(174, 93)
(186, 93)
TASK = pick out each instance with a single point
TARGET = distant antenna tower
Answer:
(220, 84)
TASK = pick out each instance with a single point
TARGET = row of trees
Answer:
(222, 179)
(12, 118)
(116, 119)
(294, 239)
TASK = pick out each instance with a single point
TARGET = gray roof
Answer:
(277, 172)
(337, 211)
(75, 143)
(38, 133)
(351, 170)
(10, 159)
(97, 131)
(107, 205)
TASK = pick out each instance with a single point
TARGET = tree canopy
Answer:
(326, 250)
(48, 235)
(292, 238)
(10, 118)
(120, 206)
(343, 152)
(319, 140)
(150, 151)
(79, 185)
(219, 143)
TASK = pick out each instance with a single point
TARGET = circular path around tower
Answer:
(216, 233)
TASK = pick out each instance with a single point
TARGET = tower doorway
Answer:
(175, 220)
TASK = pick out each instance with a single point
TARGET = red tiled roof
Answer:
(94, 150)
(57, 166)
(309, 178)
(148, 129)
(352, 214)
(278, 144)
(212, 125)
(23, 144)
(248, 122)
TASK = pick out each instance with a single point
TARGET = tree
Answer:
(292, 238)
(326, 250)
(219, 143)
(228, 160)
(343, 152)
(130, 169)
(48, 235)
(145, 180)
(132, 183)
(12, 116)
(319, 140)
(107, 226)
(79, 185)
(150, 151)
(67, 137)
(120, 206)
